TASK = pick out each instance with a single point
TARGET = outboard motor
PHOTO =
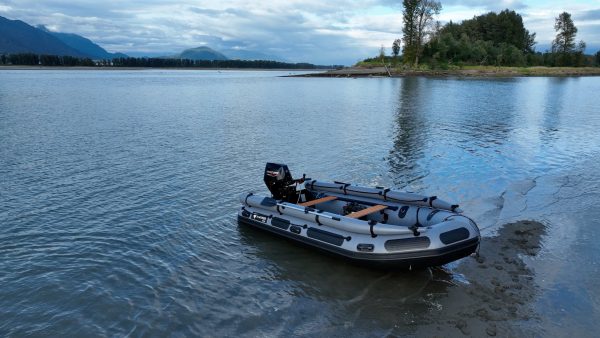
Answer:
(278, 179)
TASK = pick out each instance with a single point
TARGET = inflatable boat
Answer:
(374, 226)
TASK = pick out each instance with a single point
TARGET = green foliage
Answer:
(483, 34)
(395, 51)
(409, 15)
(566, 32)
(376, 61)
(30, 59)
(597, 59)
(417, 19)
(498, 39)
(185, 63)
(396, 48)
(568, 53)
(504, 27)
(501, 39)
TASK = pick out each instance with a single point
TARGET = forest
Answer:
(492, 39)
(29, 59)
(498, 39)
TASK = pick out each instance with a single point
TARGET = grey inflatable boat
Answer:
(373, 226)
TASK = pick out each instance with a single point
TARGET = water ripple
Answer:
(117, 202)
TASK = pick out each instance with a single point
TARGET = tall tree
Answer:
(409, 14)
(396, 49)
(579, 58)
(426, 9)
(418, 20)
(566, 31)
(530, 43)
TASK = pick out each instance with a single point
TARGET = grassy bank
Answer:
(368, 70)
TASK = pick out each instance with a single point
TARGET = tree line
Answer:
(498, 39)
(187, 63)
(29, 59)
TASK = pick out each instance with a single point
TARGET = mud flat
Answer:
(469, 71)
(500, 291)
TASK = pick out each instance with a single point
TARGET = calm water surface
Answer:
(118, 195)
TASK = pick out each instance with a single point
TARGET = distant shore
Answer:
(356, 72)
(19, 67)
(468, 71)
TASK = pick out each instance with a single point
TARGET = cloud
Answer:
(309, 30)
(489, 5)
(593, 14)
(324, 32)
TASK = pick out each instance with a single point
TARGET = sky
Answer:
(316, 31)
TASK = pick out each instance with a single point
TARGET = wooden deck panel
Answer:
(369, 210)
(317, 201)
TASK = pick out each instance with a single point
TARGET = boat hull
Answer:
(324, 239)
(400, 260)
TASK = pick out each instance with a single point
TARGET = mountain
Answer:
(240, 54)
(82, 44)
(207, 53)
(200, 53)
(19, 37)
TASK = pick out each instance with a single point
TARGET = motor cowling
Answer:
(280, 183)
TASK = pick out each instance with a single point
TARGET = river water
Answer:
(118, 197)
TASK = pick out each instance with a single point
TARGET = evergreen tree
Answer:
(396, 48)
(566, 31)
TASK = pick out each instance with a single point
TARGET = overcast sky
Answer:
(317, 31)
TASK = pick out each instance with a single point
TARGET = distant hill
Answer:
(19, 37)
(239, 54)
(207, 53)
(82, 44)
(199, 53)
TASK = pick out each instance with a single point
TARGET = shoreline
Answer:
(25, 67)
(473, 71)
(501, 288)
(365, 72)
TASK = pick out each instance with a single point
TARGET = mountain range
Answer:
(84, 45)
(19, 37)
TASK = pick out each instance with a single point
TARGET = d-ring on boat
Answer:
(374, 226)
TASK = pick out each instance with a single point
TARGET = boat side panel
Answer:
(352, 239)
(423, 258)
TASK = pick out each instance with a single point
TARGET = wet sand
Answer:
(500, 292)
